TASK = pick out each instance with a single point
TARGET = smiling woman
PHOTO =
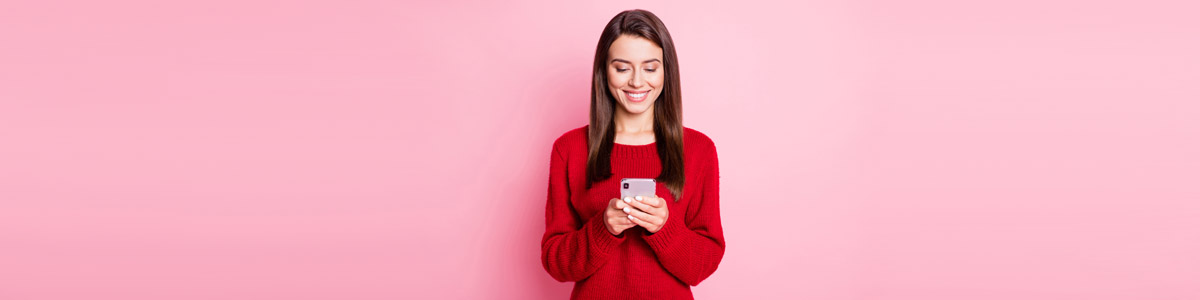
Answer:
(641, 247)
(636, 36)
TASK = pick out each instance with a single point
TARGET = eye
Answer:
(651, 70)
(622, 70)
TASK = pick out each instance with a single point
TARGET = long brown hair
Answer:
(668, 108)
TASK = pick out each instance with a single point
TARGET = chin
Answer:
(635, 109)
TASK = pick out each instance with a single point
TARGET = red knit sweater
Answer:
(635, 264)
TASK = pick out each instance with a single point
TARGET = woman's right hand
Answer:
(615, 218)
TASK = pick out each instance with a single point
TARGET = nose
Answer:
(636, 81)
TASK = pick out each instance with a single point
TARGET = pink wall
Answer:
(382, 150)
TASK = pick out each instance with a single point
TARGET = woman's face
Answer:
(635, 73)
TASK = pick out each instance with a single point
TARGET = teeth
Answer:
(638, 95)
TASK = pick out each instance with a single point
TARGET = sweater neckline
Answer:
(635, 151)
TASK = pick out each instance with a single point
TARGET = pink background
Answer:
(393, 150)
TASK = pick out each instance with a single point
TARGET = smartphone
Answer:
(631, 187)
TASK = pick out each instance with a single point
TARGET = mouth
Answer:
(636, 96)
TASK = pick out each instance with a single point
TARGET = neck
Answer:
(626, 122)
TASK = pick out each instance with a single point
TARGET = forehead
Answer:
(634, 48)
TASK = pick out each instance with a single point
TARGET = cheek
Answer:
(656, 79)
(615, 79)
(613, 88)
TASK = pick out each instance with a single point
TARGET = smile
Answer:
(636, 96)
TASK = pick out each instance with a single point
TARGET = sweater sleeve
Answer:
(692, 247)
(572, 249)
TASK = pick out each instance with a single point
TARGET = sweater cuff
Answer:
(604, 239)
(662, 239)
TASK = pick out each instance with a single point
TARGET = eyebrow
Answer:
(626, 61)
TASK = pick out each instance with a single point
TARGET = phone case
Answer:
(631, 187)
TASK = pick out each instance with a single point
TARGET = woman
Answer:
(633, 248)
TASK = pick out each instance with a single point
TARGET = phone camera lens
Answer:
(626, 186)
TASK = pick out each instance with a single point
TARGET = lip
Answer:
(629, 95)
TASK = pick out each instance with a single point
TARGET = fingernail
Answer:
(639, 198)
(631, 217)
(627, 200)
(626, 210)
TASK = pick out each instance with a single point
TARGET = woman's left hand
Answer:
(650, 212)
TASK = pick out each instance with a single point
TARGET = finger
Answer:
(641, 205)
(648, 200)
(626, 221)
(656, 201)
(643, 215)
(615, 214)
(618, 218)
(640, 222)
(618, 204)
